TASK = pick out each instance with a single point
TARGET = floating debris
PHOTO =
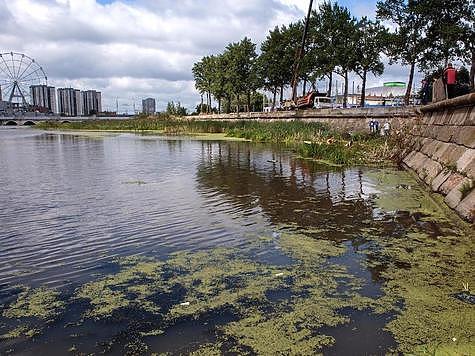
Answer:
(135, 182)
(465, 297)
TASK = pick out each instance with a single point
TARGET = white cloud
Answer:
(130, 49)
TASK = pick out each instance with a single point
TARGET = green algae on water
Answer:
(137, 281)
(230, 280)
(435, 271)
(225, 279)
(33, 308)
(218, 279)
(41, 303)
(208, 350)
(423, 271)
(21, 331)
(400, 191)
(309, 250)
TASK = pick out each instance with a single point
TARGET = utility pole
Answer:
(301, 53)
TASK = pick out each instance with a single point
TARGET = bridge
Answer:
(34, 120)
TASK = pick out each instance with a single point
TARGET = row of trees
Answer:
(424, 35)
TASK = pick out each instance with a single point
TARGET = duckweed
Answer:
(420, 273)
(208, 350)
(137, 281)
(424, 272)
(41, 303)
(21, 331)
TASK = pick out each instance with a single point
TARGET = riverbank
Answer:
(311, 140)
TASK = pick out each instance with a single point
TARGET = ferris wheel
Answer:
(18, 73)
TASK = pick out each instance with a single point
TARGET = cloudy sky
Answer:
(131, 49)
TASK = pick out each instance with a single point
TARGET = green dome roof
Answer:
(394, 84)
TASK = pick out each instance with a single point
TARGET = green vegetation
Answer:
(311, 139)
(420, 34)
(466, 188)
(363, 150)
(21, 331)
(34, 308)
(222, 279)
(424, 272)
(40, 303)
(420, 273)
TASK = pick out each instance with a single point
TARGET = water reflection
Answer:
(72, 203)
(289, 191)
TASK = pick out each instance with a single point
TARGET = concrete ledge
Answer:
(465, 100)
(343, 114)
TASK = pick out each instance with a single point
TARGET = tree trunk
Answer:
(274, 99)
(409, 84)
(472, 71)
(228, 104)
(281, 93)
(363, 90)
(219, 105)
(248, 102)
(330, 83)
(201, 107)
(238, 102)
(345, 94)
(304, 87)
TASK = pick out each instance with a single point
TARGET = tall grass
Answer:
(312, 139)
(277, 131)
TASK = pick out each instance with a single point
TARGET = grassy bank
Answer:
(312, 139)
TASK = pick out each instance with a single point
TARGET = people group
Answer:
(375, 128)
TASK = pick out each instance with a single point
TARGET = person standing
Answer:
(450, 78)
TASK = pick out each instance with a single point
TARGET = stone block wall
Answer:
(439, 145)
(441, 150)
(345, 120)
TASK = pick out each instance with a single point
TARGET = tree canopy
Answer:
(420, 34)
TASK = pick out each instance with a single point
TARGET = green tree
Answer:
(344, 37)
(323, 39)
(203, 75)
(218, 79)
(176, 109)
(445, 35)
(271, 65)
(241, 72)
(468, 40)
(408, 43)
(371, 42)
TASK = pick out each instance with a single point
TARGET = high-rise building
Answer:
(44, 96)
(92, 102)
(149, 106)
(70, 102)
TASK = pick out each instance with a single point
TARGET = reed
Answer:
(311, 139)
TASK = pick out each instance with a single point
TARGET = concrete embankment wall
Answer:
(441, 150)
(354, 120)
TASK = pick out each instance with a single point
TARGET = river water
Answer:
(74, 204)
